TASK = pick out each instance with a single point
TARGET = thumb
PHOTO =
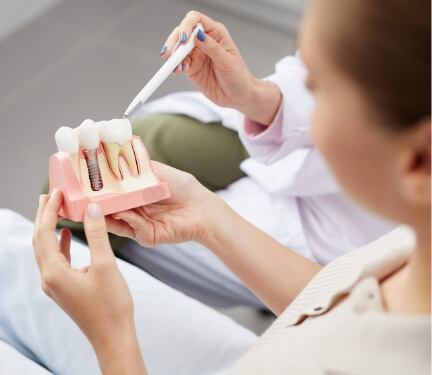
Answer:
(96, 234)
(207, 45)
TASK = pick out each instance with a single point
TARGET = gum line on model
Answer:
(103, 162)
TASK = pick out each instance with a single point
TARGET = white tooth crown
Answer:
(115, 131)
(88, 135)
(66, 140)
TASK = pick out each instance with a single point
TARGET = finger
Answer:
(43, 198)
(170, 43)
(209, 47)
(65, 243)
(186, 64)
(49, 216)
(179, 69)
(119, 227)
(45, 241)
(132, 218)
(97, 236)
(191, 19)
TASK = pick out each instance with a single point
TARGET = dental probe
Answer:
(164, 72)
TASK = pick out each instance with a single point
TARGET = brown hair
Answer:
(385, 45)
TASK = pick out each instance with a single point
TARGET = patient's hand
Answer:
(96, 297)
(186, 216)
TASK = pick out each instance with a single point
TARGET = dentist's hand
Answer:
(186, 216)
(217, 69)
(96, 297)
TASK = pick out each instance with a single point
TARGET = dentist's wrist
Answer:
(262, 103)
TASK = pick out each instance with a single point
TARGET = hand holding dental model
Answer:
(103, 162)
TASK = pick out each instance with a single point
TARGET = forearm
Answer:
(273, 272)
(263, 103)
(120, 355)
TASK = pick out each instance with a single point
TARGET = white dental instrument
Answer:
(164, 72)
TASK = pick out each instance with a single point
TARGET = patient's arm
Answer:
(273, 272)
(120, 356)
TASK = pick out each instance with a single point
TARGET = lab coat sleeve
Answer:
(284, 159)
(290, 128)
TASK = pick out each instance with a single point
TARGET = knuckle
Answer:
(190, 178)
(49, 280)
(175, 31)
(96, 233)
(193, 14)
(221, 26)
(45, 288)
(104, 265)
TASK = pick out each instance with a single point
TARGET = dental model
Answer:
(103, 162)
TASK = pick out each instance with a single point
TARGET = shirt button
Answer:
(359, 306)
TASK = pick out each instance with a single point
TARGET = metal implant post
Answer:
(93, 169)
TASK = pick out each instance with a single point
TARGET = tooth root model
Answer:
(67, 141)
(116, 136)
(103, 163)
(88, 137)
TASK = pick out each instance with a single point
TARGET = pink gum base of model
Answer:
(63, 177)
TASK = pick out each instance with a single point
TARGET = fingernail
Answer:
(183, 37)
(94, 211)
(163, 50)
(201, 35)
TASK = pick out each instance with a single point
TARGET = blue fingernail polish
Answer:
(183, 37)
(201, 35)
(163, 50)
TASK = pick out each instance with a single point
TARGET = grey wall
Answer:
(280, 14)
(15, 13)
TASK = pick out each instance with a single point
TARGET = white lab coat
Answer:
(291, 171)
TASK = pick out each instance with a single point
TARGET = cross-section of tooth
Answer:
(116, 136)
(128, 153)
(67, 141)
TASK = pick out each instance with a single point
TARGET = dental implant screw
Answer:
(93, 169)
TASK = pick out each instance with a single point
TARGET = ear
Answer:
(416, 166)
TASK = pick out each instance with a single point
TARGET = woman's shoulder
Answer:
(314, 334)
(359, 334)
(378, 259)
